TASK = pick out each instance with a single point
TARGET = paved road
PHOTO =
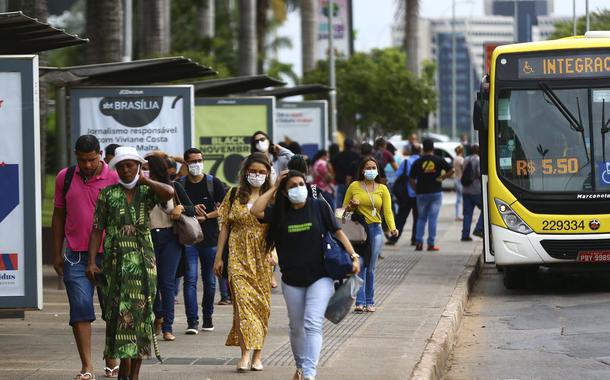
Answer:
(559, 328)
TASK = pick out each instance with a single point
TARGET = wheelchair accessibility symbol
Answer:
(527, 68)
(606, 174)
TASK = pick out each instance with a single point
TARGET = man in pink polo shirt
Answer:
(73, 221)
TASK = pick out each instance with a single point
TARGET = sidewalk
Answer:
(413, 290)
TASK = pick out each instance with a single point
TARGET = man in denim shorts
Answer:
(73, 221)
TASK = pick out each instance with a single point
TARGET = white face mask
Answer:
(297, 194)
(262, 145)
(256, 180)
(196, 169)
(132, 184)
(370, 174)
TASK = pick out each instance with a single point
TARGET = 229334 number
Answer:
(562, 225)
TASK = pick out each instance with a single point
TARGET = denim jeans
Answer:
(428, 206)
(366, 294)
(78, 286)
(167, 255)
(340, 195)
(206, 255)
(404, 209)
(459, 188)
(306, 307)
(223, 285)
(470, 201)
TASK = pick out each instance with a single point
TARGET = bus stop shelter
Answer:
(234, 85)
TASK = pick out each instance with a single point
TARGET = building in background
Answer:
(527, 14)
(473, 34)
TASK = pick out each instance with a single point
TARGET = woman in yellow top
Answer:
(370, 198)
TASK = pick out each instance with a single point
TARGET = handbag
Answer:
(342, 300)
(355, 232)
(337, 262)
(187, 228)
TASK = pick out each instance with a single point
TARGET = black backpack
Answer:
(468, 175)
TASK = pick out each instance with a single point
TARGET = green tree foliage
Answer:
(599, 20)
(376, 90)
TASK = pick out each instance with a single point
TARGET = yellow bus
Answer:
(543, 117)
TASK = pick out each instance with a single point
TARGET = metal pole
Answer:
(515, 21)
(127, 30)
(587, 11)
(453, 73)
(573, 17)
(60, 123)
(331, 73)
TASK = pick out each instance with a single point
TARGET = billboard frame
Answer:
(322, 105)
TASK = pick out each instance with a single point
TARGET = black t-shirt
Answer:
(342, 164)
(299, 249)
(198, 193)
(426, 170)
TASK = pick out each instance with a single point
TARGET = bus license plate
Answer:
(602, 256)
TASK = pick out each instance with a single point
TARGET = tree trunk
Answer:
(154, 29)
(410, 41)
(262, 24)
(308, 34)
(247, 37)
(205, 19)
(105, 30)
(38, 9)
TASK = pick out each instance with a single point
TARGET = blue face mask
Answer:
(370, 174)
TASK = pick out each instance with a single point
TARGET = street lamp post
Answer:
(453, 70)
(587, 11)
(573, 17)
(331, 73)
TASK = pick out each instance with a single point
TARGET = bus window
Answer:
(538, 149)
(601, 126)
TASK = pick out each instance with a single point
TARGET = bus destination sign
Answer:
(561, 67)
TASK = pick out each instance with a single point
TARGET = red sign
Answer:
(601, 256)
(488, 49)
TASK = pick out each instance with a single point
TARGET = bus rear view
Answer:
(547, 178)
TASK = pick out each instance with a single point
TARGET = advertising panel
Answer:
(223, 129)
(20, 213)
(341, 28)
(147, 118)
(303, 122)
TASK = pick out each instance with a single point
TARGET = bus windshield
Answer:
(554, 140)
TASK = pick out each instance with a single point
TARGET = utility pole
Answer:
(453, 70)
(331, 73)
(587, 10)
(128, 30)
(573, 17)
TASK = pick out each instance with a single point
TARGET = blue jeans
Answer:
(459, 188)
(428, 208)
(223, 285)
(366, 294)
(306, 307)
(470, 201)
(167, 255)
(78, 286)
(206, 255)
(340, 195)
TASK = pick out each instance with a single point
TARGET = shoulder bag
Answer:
(187, 228)
(355, 232)
(337, 262)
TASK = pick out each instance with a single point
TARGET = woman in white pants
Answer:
(296, 227)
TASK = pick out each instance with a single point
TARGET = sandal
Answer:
(359, 309)
(111, 372)
(84, 376)
(371, 308)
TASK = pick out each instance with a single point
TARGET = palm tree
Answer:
(105, 29)
(308, 34)
(247, 37)
(155, 33)
(410, 40)
(205, 19)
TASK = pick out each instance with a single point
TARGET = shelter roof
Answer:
(303, 89)
(20, 34)
(234, 85)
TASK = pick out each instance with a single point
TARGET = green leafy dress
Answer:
(130, 271)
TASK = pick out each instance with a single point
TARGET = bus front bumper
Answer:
(512, 248)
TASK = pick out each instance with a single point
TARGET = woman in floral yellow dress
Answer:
(250, 262)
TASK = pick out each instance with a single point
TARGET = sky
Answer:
(373, 21)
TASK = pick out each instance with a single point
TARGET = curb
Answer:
(432, 364)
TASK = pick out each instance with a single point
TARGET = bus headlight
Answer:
(512, 220)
